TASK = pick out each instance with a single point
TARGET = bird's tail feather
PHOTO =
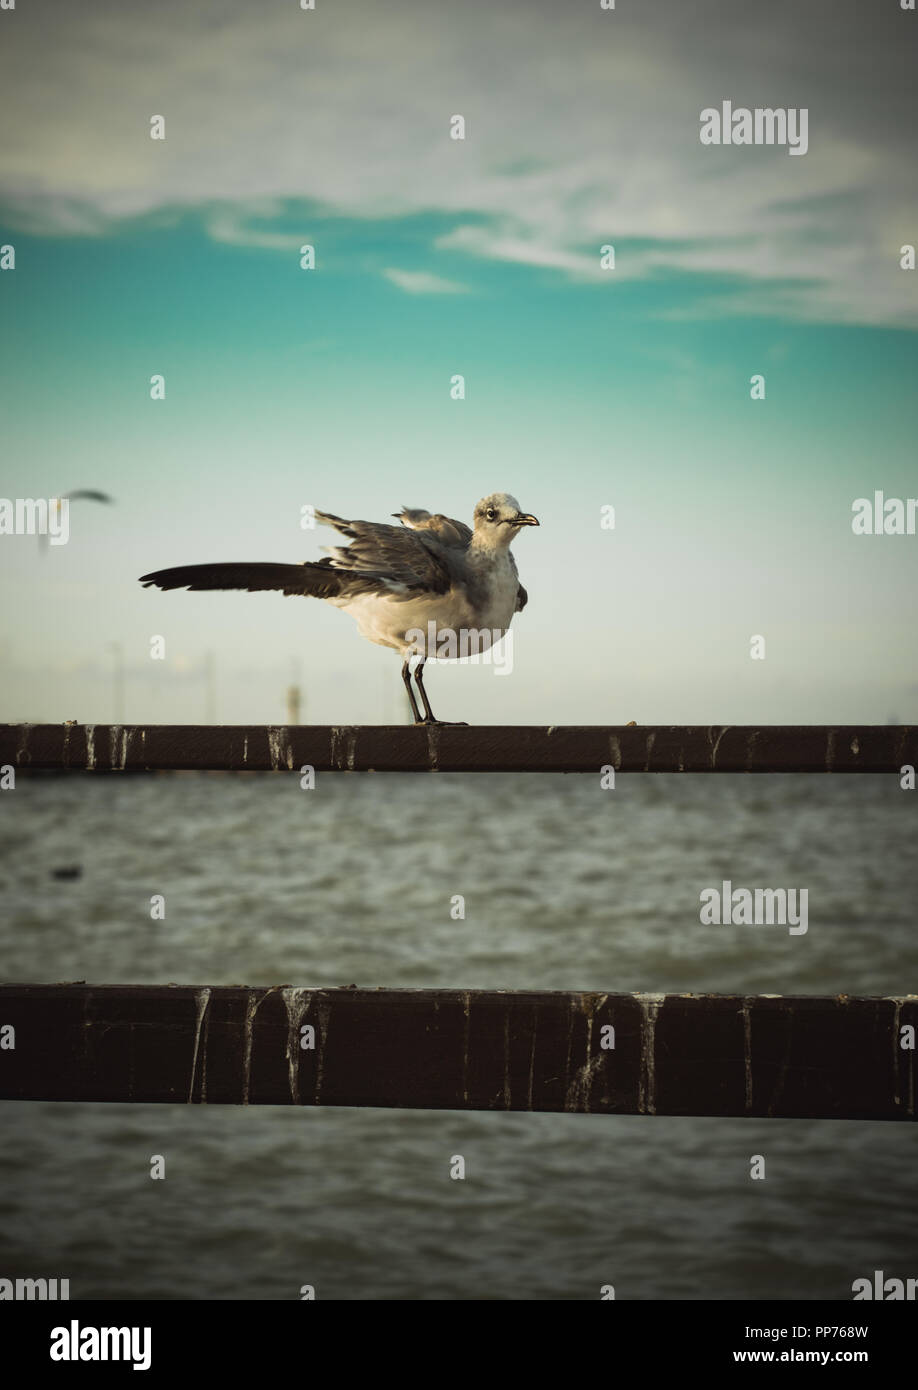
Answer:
(317, 580)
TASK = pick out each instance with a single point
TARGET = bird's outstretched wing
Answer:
(401, 560)
(422, 556)
(380, 560)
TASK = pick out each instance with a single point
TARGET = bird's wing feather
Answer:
(402, 560)
(445, 528)
(317, 580)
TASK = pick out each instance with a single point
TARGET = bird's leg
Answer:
(406, 677)
(429, 716)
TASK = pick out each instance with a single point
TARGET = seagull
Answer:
(89, 494)
(407, 586)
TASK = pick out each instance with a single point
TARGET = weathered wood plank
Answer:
(793, 1056)
(406, 748)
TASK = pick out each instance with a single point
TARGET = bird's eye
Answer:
(490, 513)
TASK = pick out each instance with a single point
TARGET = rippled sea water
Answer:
(566, 886)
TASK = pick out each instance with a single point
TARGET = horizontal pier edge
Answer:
(589, 749)
(592, 1052)
(118, 987)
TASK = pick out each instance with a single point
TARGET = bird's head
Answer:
(498, 518)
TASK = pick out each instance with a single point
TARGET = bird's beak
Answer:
(522, 519)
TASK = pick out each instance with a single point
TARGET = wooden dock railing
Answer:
(612, 1054)
(488, 748)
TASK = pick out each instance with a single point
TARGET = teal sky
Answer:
(584, 388)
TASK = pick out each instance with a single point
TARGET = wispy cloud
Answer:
(423, 282)
(497, 242)
(234, 226)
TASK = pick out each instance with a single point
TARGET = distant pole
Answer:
(294, 692)
(117, 652)
(210, 689)
(293, 704)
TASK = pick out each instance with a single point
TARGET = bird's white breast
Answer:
(387, 619)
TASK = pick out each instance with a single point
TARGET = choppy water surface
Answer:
(566, 886)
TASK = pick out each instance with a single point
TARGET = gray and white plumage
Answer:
(427, 575)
